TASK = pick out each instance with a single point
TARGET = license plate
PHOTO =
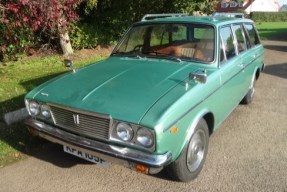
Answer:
(83, 155)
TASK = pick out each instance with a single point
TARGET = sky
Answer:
(282, 2)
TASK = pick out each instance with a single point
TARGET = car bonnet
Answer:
(124, 88)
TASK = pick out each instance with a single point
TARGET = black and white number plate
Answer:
(86, 156)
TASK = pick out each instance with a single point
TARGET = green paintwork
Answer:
(157, 93)
(107, 88)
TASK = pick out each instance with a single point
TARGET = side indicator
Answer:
(33, 131)
(173, 130)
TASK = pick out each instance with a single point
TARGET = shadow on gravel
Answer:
(273, 34)
(276, 48)
(54, 153)
(279, 70)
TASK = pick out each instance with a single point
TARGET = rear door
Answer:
(244, 58)
(230, 71)
(254, 58)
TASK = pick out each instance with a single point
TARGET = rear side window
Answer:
(227, 42)
(239, 33)
(253, 38)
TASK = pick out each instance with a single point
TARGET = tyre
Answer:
(190, 162)
(248, 98)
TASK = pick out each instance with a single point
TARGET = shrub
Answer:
(13, 41)
(21, 20)
(83, 36)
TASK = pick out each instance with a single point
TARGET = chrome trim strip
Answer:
(115, 152)
(209, 95)
(104, 116)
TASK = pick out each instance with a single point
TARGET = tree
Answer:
(50, 18)
(112, 17)
(203, 6)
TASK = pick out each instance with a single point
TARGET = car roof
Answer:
(212, 20)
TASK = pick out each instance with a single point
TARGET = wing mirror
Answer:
(199, 76)
(69, 64)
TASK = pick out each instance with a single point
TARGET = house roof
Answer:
(232, 5)
(248, 5)
(283, 8)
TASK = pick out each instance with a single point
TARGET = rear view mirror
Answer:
(199, 76)
(69, 64)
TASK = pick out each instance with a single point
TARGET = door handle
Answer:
(241, 65)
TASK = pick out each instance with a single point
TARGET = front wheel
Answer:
(191, 160)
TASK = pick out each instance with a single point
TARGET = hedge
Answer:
(268, 16)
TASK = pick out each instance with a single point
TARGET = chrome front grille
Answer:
(81, 123)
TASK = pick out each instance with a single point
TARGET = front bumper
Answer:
(115, 154)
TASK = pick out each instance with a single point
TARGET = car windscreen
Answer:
(185, 41)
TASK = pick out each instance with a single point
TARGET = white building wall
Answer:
(264, 5)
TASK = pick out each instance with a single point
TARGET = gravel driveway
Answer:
(248, 152)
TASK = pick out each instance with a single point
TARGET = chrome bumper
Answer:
(120, 155)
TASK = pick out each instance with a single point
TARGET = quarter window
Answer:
(252, 35)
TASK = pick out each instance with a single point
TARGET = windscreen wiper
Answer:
(163, 56)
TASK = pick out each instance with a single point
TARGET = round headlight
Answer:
(45, 111)
(34, 108)
(125, 131)
(145, 137)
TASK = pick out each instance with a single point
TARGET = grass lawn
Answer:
(272, 30)
(16, 79)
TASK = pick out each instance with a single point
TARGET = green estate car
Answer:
(168, 84)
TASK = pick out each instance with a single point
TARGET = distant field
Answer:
(272, 30)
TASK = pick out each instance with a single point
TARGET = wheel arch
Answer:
(209, 118)
(205, 114)
(257, 73)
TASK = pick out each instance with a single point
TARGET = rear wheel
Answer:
(190, 162)
(248, 98)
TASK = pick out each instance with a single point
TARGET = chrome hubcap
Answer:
(196, 150)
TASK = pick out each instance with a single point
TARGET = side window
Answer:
(239, 33)
(222, 55)
(252, 35)
(227, 42)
